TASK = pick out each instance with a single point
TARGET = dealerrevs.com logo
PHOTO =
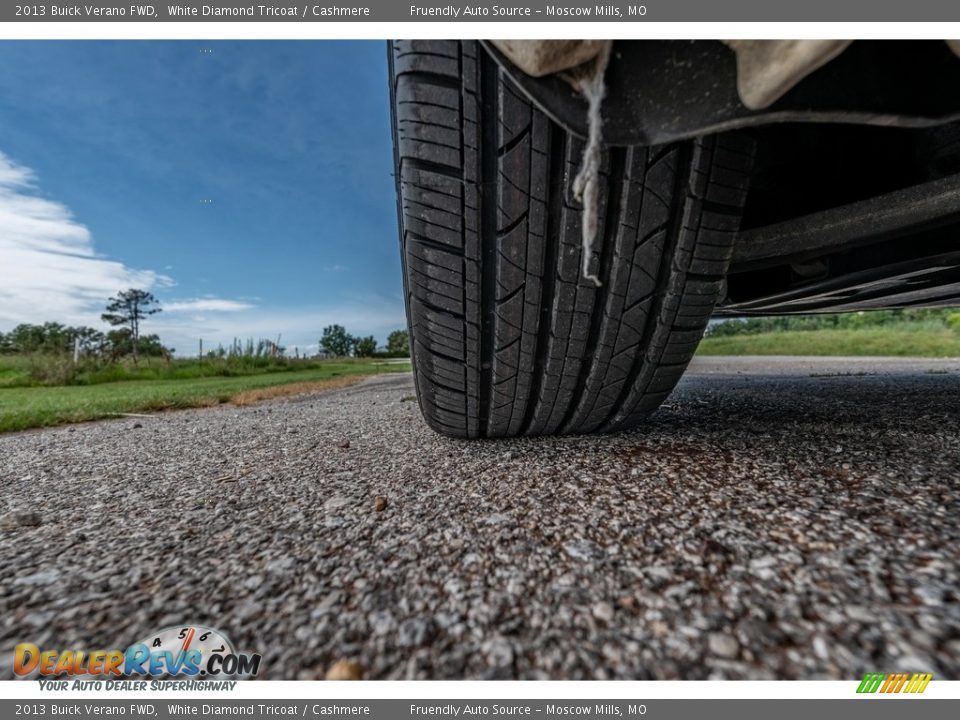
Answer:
(191, 651)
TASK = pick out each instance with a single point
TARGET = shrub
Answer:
(46, 369)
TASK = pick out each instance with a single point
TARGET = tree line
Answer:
(130, 308)
(933, 317)
(337, 342)
(54, 338)
(124, 312)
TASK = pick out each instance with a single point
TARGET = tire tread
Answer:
(507, 338)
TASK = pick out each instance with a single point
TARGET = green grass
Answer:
(14, 370)
(39, 369)
(903, 340)
(27, 407)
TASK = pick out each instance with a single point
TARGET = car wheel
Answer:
(507, 337)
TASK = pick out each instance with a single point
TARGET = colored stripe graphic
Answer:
(894, 682)
(918, 683)
(870, 683)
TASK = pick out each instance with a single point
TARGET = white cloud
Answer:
(206, 304)
(48, 266)
(49, 270)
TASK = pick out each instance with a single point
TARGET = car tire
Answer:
(507, 337)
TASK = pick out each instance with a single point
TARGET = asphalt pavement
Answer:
(777, 518)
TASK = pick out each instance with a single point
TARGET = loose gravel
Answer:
(777, 518)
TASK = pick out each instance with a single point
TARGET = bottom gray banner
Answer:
(875, 708)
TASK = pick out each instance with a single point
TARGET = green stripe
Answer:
(871, 682)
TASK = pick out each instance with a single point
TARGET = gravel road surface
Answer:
(778, 518)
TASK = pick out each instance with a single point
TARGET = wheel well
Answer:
(891, 194)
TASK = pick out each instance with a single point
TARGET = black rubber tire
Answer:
(506, 336)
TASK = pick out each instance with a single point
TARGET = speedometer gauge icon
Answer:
(191, 649)
(183, 638)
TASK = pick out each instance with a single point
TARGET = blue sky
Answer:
(108, 151)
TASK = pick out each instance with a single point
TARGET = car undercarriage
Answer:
(854, 200)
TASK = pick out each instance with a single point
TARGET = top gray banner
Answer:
(485, 11)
